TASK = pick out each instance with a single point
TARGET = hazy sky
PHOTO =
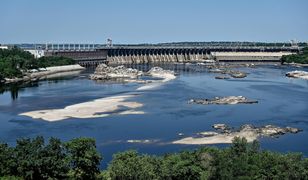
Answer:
(152, 21)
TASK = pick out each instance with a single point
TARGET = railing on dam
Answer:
(210, 48)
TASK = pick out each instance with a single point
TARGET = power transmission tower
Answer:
(109, 42)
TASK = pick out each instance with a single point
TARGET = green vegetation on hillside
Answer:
(79, 159)
(301, 58)
(13, 62)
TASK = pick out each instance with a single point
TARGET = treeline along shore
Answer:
(79, 159)
(17, 65)
(301, 58)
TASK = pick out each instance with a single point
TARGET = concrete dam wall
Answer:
(193, 56)
(153, 54)
(152, 58)
(249, 56)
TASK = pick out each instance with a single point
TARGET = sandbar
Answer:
(102, 107)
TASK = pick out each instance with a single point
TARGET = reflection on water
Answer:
(16, 87)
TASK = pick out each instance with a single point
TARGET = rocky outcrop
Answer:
(223, 68)
(221, 127)
(157, 72)
(237, 74)
(104, 72)
(223, 100)
(121, 74)
(298, 74)
(270, 130)
(161, 73)
(226, 134)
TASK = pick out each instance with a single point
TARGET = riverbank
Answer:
(17, 65)
(34, 76)
(296, 64)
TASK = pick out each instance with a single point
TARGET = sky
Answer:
(152, 21)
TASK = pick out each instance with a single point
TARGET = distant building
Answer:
(3, 47)
(36, 52)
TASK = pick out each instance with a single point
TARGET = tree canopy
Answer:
(13, 62)
(301, 58)
(79, 159)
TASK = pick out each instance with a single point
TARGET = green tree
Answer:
(184, 165)
(129, 166)
(83, 158)
(54, 160)
(301, 58)
(6, 160)
(34, 160)
(28, 159)
(14, 62)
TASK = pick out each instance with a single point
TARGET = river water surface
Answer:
(282, 101)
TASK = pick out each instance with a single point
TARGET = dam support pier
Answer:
(156, 55)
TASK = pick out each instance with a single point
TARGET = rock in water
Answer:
(270, 130)
(222, 77)
(298, 74)
(293, 130)
(104, 72)
(220, 126)
(238, 74)
(161, 73)
(226, 134)
(224, 100)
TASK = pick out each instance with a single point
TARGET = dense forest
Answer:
(79, 159)
(14, 62)
(301, 58)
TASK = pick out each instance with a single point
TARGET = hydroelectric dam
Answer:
(122, 54)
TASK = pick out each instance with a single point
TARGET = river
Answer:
(282, 101)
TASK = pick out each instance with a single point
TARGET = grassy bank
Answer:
(15, 62)
(79, 159)
(301, 58)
